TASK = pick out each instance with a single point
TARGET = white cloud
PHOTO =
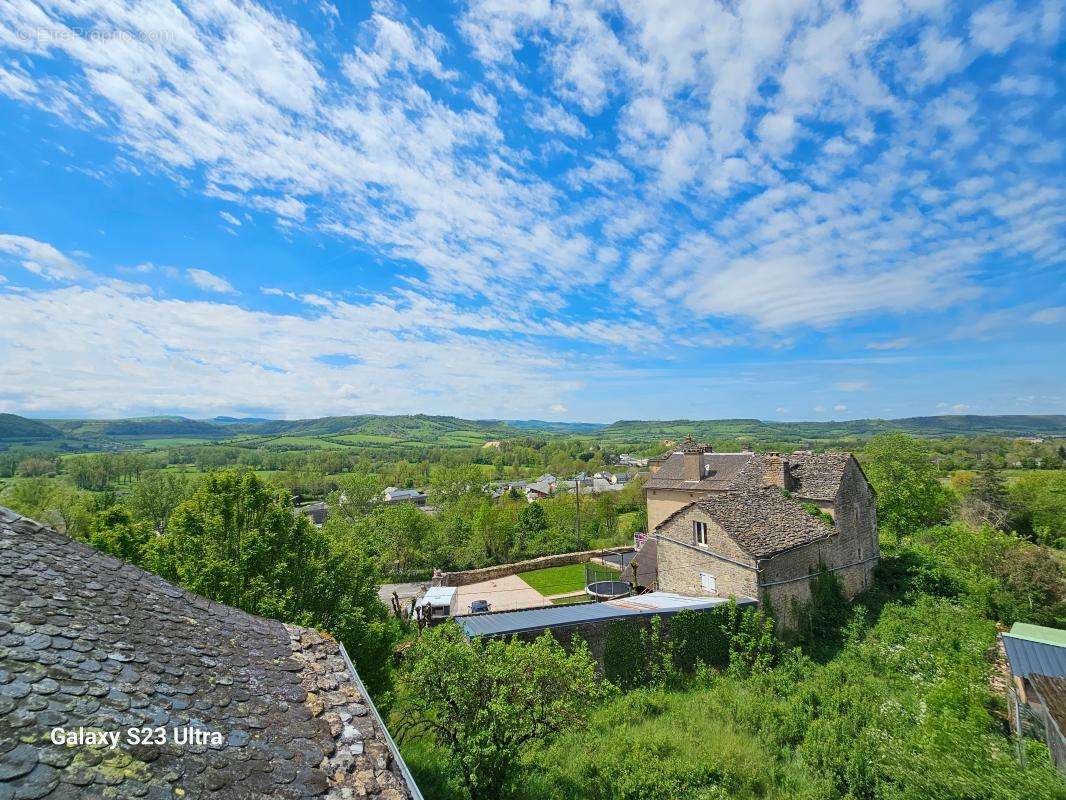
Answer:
(558, 408)
(997, 26)
(891, 344)
(553, 118)
(393, 46)
(852, 386)
(840, 407)
(1023, 85)
(228, 217)
(940, 56)
(210, 282)
(199, 357)
(41, 258)
(778, 130)
(1049, 316)
(960, 407)
(914, 185)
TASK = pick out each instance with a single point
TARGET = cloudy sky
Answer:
(586, 210)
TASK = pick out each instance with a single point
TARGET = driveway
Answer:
(504, 594)
(405, 590)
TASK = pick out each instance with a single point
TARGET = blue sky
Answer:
(514, 209)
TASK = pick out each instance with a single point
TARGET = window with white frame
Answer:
(699, 529)
(708, 583)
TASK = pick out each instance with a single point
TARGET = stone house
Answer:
(761, 525)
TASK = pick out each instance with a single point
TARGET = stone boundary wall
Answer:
(469, 576)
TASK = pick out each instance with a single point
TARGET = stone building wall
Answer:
(664, 502)
(856, 524)
(681, 560)
(851, 552)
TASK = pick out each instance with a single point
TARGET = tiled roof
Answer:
(721, 470)
(89, 641)
(761, 521)
(815, 476)
(647, 559)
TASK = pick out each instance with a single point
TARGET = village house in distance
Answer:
(760, 525)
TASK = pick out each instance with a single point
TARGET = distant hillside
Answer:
(370, 430)
(140, 426)
(416, 427)
(20, 428)
(759, 431)
(575, 428)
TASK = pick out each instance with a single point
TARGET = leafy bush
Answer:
(624, 655)
(484, 701)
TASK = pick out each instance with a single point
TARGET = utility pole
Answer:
(577, 512)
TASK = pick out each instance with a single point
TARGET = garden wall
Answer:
(466, 577)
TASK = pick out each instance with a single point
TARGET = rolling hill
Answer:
(445, 431)
(16, 428)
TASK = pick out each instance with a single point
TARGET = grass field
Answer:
(556, 580)
(165, 442)
(569, 601)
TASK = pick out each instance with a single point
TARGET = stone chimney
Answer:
(776, 471)
(692, 453)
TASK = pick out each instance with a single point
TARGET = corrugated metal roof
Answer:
(1038, 633)
(1027, 656)
(531, 619)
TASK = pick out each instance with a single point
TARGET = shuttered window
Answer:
(699, 529)
(708, 582)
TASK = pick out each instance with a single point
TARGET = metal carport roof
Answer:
(532, 619)
(1035, 649)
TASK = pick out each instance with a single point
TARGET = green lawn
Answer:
(569, 601)
(556, 580)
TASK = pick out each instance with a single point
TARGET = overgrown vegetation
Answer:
(885, 698)
(482, 702)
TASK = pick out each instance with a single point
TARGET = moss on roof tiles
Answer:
(89, 641)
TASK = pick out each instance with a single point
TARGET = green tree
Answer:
(237, 541)
(1038, 507)
(113, 530)
(35, 467)
(909, 494)
(154, 497)
(357, 493)
(484, 701)
(987, 501)
(450, 484)
(532, 525)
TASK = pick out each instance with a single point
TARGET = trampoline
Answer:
(608, 590)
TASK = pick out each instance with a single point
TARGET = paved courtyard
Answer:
(406, 591)
(504, 594)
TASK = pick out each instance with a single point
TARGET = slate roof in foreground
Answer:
(88, 640)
